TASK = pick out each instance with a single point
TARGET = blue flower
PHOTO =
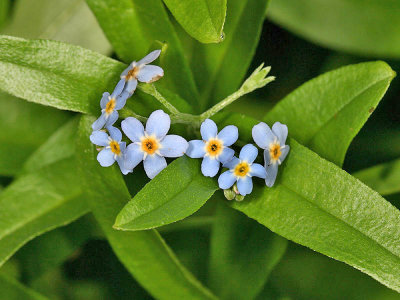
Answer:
(109, 106)
(142, 72)
(151, 144)
(273, 143)
(113, 148)
(241, 170)
(213, 147)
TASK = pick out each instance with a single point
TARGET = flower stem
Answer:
(151, 90)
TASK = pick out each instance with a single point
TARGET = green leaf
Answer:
(163, 201)
(327, 112)
(203, 20)
(342, 24)
(143, 253)
(312, 196)
(140, 24)
(383, 178)
(4, 8)
(11, 289)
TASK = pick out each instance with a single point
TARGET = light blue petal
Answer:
(208, 129)
(121, 100)
(112, 118)
(133, 129)
(281, 131)
(267, 157)
(229, 135)
(272, 171)
(249, 153)
(130, 67)
(226, 155)
(173, 146)
(226, 180)
(118, 88)
(231, 164)
(105, 157)
(258, 171)
(284, 153)
(158, 124)
(99, 138)
(133, 156)
(196, 149)
(130, 86)
(262, 135)
(121, 163)
(245, 185)
(115, 134)
(152, 56)
(100, 122)
(154, 164)
(209, 167)
(104, 100)
(150, 73)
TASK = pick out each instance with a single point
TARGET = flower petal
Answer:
(111, 119)
(100, 122)
(105, 157)
(245, 185)
(281, 131)
(104, 100)
(272, 171)
(262, 135)
(130, 67)
(121, 100)
(209, 167)
(130, 86)
(173, 146)
(115, 134)
(284, 153)
(226, 180)
(249, 153)
(133, 129)
(99, 138)
(158, 124)
(154, 164)
(121, 163)
(267, 157)
(258, 171)
(229, 135)
(118, 88)
(231, 164)
(226, 155)
(133, 156)
(152, 56)
(150, 73)
(208, 129)
(196, 149)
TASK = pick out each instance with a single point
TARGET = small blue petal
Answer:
(158, 124)
(284, 153)
(245, 185)
(262, 135)
(272, 171)
(226, 155)
(154, 164)
(267, 157)
(121, 163)
(258, 171)
(152, 56)
(229, 135)
(133, 129)
(226, 180)
(99, 138)
(111, 119)
(281, 131)
(100, 122)
(130, 86)
(248, 153)
(173, 146)
(105, 157)
(208, 129)
(118, 88)
(121, 100)
(130, 67)
(133, 156)
(231, 164)
(150, 73)
(104, 100)
(209, 167)
(115, 134)
(196, 149)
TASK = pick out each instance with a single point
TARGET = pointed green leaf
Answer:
(10, 289)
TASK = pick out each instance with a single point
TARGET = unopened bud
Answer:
(229, 194)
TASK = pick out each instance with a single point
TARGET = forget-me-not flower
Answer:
(213, 147)
(110, 104)
(113, 147)
(241, 170)
(142, 71)
(273, 143)
(151, 144)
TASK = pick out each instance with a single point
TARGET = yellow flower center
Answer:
(150, 145)
(242, 169)
(132, 73)
(110, 106)
(275, 151)
(214, 147)
(115, 147)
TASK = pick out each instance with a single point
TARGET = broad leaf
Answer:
(143, 253)
(11, 289)
(326, 113)
(4, 8)
(203, 20)
(343, 24)
(163, 201)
